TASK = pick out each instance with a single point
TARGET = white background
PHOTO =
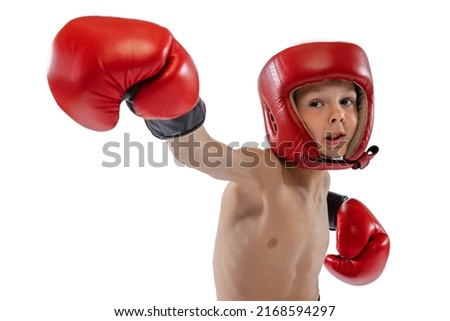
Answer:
(78, 239)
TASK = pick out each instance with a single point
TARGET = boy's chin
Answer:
(337, 153)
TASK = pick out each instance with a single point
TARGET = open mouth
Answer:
(334, 138)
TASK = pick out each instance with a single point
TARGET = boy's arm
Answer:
(200, 151)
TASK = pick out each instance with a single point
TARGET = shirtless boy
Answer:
(277, 210)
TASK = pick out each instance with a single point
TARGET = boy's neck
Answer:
(306, 177)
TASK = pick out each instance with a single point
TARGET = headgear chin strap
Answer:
(305, 64)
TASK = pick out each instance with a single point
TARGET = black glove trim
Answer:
(334, 201)
(180, 126)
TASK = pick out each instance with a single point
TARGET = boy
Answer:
(276, 211)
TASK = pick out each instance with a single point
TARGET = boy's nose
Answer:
(336, 114)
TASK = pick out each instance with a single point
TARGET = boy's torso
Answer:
(271, 242)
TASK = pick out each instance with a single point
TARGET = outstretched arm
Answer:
(98, 62)
(200, 151)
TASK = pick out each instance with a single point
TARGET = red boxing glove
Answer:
(361, 241)
(98, 62)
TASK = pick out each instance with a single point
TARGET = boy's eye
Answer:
(315, 104)
(347, 102)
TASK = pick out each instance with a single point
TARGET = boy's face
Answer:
(329, 111)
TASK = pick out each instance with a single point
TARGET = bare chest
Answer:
(281, 246)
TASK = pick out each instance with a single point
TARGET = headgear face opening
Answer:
(306, 64)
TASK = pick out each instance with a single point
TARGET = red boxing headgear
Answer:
(305, 64)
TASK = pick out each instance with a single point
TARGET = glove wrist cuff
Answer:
(334, 201)
(180, 126)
